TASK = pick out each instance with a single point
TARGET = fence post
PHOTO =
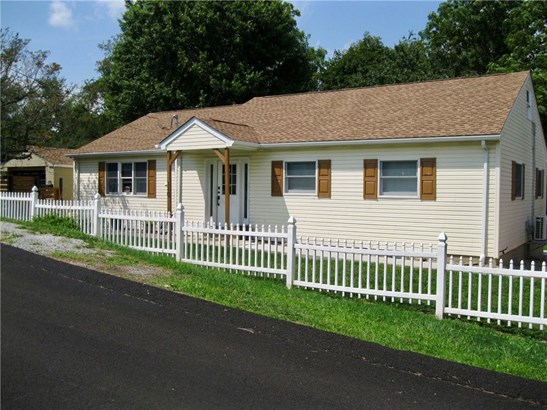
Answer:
(291, 242)
(96, 227)
(33, 201)
(441, 276)
(179, 235)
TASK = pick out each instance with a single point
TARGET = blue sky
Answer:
(72, 30)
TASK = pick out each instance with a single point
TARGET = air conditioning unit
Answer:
(540, 228)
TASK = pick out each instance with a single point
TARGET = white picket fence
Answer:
(394, 272)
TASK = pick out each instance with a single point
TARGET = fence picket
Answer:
(355, 268)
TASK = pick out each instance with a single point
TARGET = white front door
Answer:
(238, 190)
(233, 190)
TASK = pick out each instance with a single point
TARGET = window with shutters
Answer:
(540, 182)
(129, 178)
(518, 174)
(399, 178)
(300, 177)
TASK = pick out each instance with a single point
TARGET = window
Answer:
(518, 175)
(399, 178)
(540, 182)
(127, 177)
(300, 177)
(528, 105)
(112, 178)
(233, 179)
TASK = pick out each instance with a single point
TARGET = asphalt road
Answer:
(76, 338)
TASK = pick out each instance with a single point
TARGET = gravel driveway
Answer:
(53, 246)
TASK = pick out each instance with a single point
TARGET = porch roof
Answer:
(433, 109)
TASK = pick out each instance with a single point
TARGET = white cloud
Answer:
(114, 8)
(60, 15)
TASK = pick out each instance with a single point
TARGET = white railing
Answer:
(15, 205)
(254, 249)
(150, 231)
(80, 211)
(409, 273)
(395, 271)
(513, 295)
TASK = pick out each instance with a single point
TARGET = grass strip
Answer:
(520, 352)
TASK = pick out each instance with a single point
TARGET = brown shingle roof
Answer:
(55, 156)
(456, 107)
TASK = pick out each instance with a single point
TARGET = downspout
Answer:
(484, 203)
(77, 180)
(533, 190)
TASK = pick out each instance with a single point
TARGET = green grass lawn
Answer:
(521, 352)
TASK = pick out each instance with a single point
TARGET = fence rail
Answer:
(403, 272)
(395, 271)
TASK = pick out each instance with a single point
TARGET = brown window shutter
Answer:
(370, 190)
(513, 180)
(428, 177)
(277, 178)
(323, 181)
(151, 178)
(102, 178)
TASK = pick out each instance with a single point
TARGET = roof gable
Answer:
(195, 134)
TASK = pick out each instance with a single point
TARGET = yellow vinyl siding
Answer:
(66, 174)
(195, 138)
(456, 211)
(516, 145)
(88, 169)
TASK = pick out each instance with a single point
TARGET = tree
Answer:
(527, 40)
(365, 62)
(193, 54)
(369, 62)
(479, 37)
(31, 94)
(83, 118)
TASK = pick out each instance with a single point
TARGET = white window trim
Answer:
(286, 185)
(379, 187)
(120, 179)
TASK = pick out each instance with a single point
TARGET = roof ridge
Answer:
(193, 109)
(433, 80)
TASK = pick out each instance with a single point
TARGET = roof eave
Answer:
(115, 153)
(417, 140)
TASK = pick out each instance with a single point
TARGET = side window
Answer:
(517, 179)
(300, 177)
(528, 105)
(399, 178)
(540, 182)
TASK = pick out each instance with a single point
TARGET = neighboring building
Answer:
(388, 163)
(47, 168)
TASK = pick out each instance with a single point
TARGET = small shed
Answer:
(45, 167)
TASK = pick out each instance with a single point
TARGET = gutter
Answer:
(460, 138)
(116, 154)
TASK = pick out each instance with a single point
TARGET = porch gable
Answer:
(195, 134)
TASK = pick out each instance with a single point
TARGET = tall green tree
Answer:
(474, 37)
(31, 96)
(369, 62)
(82, 118)
(199, 53)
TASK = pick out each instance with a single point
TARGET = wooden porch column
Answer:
(225, 158)
(171, 158)
(227, 186)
